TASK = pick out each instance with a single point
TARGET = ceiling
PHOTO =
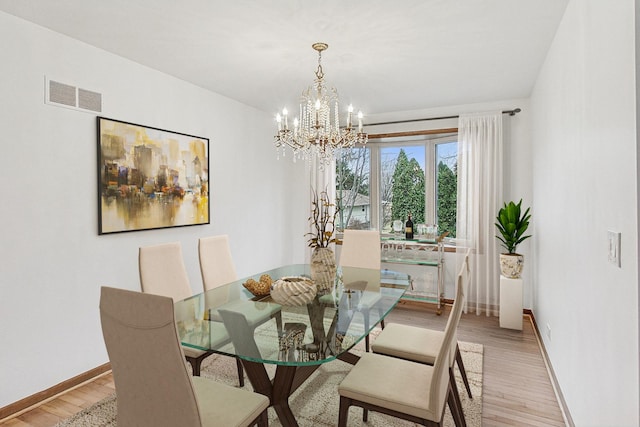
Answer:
(383, 56)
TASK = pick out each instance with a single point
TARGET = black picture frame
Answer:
(150, 178)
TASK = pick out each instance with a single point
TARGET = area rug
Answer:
(316, 402)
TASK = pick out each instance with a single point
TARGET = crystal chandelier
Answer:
(316, 131)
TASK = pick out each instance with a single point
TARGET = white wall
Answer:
(52, 260)
(585, 183)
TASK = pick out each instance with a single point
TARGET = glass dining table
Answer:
(296, 338)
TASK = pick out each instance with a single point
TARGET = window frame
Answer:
(429, 139)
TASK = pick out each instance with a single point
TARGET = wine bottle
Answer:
(408, 229)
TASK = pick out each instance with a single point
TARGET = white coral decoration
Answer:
(293, 290)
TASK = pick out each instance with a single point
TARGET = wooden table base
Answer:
(285, 382)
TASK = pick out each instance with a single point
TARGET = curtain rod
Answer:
(509, 112)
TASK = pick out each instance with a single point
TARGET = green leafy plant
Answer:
(323, 221)
(512, 225)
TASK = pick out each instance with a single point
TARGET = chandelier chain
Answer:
(319, 72)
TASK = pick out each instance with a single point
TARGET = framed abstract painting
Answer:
(150, 178)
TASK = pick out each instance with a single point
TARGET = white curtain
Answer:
(323, 178)
(479, 199)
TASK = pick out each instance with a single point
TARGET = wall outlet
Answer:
(613, 238)
(549, 331)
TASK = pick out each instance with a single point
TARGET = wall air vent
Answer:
(69, 96)
(61, 93)
(89, 100)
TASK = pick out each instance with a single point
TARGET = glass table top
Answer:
(230, 320)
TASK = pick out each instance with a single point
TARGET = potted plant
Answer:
(323, 222)
(512, 224)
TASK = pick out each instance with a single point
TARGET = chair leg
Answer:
(366, 339)
(343, 413)
(381, 318)
(456, 396)
(365, 315)
(263, 419)
(195, 365)
(463, 371)
(453, 407)
(240, 372)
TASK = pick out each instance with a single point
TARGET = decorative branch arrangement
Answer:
(323, 220)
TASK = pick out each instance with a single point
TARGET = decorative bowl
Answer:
(293, 290)
(260, 288)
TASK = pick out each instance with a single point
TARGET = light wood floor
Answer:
(516, 390)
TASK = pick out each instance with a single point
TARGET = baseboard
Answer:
(554, 380)
(22, 405)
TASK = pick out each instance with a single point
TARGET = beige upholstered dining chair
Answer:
(158, 391)
(162, 272)
(216, 263)
(361, 249)
(421, 344)
(217, 268)
(405, 389)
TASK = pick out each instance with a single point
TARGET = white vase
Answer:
(511, 265)
(323, 269)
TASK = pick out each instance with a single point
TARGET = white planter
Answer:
(511, 265)
(511, 303)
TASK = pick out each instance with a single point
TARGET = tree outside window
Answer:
(382, 182)
(407, 189)
(352, 189)
(447, 198)
(447, 187)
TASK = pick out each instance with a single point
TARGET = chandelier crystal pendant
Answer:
(317, 131)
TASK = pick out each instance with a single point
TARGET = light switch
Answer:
(614, 247)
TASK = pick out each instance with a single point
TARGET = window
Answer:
(352, 188)
(446, 186)
(388, 178)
